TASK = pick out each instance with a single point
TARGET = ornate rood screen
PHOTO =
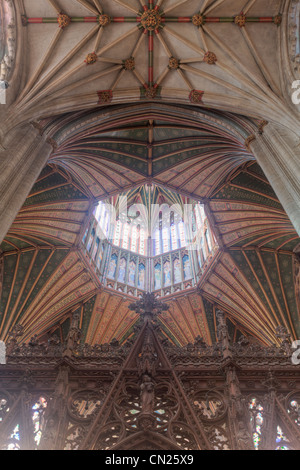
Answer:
(149, 393)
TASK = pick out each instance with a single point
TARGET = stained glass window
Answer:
(91, 239)
(182, 234)
(134, 239)
(157, 243)
(157, 276)
(125, 238)
(3, 407)
(150, 230)
(143, 244)
(117, 233)
(257, 420)
(169, 229)
(14, 440)
(166, 240)
(174, 238)
(281, 440)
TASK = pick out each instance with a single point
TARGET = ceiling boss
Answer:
(151, 20)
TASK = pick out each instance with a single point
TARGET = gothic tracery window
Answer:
(282, 442)
(168, 245)
(4, 406)
(14, 439)
(257, 420)
(293, 408)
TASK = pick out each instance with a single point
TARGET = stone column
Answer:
(278, 153)
(23, 155)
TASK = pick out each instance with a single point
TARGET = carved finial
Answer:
(223, 334)
(148, 307)
(15, 333)
(147, 359)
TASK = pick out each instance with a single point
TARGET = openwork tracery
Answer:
(143, 396)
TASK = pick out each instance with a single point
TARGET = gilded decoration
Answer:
(151, 92)
(129, 64)
(91, 58)
(174, 63)
(196, 96)
(151, 20)
(63, 20)
(104, 20)
(198, 20)
(210, 58)
(278, 20)
(240, 20)
(24, 20)
(105, 96)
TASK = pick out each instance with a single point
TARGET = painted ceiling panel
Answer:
(68, 285)
(25, 275)
(250, 213)
(264, 272)
(253, 281)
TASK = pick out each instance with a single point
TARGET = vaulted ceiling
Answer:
(46, 277)
(222, 54)
(179, 154)
(129, 94)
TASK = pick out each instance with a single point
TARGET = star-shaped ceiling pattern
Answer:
(209, 53)
(187, 159)
(46, 275)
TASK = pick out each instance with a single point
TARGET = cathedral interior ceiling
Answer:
(45, 276)
(82, 55)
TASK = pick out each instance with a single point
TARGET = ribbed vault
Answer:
(46, 276)
(83, 53)
(178, 148)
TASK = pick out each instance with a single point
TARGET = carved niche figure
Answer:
(243, 341)
(49, 434)
(233, 383)
(131, 273)
(73, 337)
(16, 332)
(199, 342)
(53, 341)
(147, 395)
(244, 439)
(223, 334)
